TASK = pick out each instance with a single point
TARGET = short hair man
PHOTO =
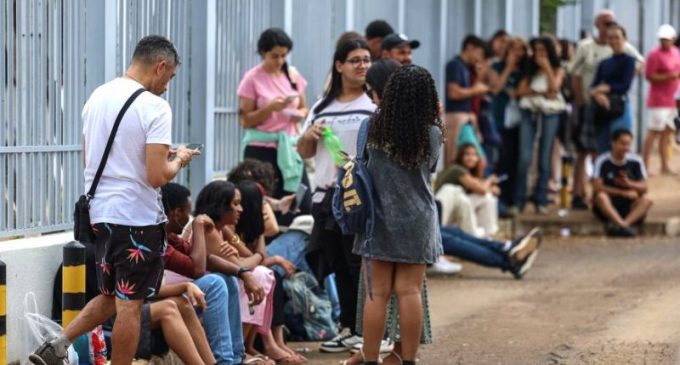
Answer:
(589, 53)
(460, 90)
(126, 210)
(376, 31)
(619, 187)
(399, 48)
(662, 70)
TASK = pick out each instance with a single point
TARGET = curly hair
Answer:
(409, 108)
(255, 170)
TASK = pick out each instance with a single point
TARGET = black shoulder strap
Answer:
(102, 164)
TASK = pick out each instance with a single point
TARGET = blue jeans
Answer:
(222, 318)
(470, 248)
(623, 122)
(527, 134)
(290, 245)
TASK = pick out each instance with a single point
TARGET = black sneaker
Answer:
(522, 247)
(48, 354)
(578, 203)
(344, 341)
(615, 230)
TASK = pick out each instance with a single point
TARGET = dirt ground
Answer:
(586, 301)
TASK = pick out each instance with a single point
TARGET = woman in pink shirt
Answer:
(662, 70)
(271, 104)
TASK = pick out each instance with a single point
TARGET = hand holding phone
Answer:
(195, 146)
(300, 196)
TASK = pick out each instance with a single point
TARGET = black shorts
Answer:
(151, 341)
(621, 204)
(129, 260)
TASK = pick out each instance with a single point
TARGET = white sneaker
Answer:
(444, 267)
(385, 347)
(342, 342)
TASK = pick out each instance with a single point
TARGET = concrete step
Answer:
(584, 223)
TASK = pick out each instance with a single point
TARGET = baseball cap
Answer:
(397, 40)
(665, 31)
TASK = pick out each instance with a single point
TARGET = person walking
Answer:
(404, 139)
(126, 211)
(541, 103)
(662, 70)
(271, 104)
(341, 111)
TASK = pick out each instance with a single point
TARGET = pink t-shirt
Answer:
(662, 94)
(261, 86)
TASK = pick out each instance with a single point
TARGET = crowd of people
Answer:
(212, 280)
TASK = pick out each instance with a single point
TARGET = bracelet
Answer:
(241, 271)
(236, 240)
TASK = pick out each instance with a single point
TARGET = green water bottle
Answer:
(333, 145)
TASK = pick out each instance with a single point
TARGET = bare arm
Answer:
(661, 76)
(555, 78)
(475, 185)
(599, 186)
(159, 170)
(498, 81)
(577, 90)
(271, 227)
(523, 88)
(199, 252)
(306, 145)
(457, 92)
(250, 115)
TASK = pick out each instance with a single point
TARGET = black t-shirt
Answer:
(607, 169)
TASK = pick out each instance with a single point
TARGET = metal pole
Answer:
(73, 282)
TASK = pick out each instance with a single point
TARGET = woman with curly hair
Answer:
(404, 140)
(341, 110)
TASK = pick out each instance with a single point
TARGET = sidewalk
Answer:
(663, 219)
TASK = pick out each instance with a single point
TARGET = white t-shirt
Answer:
(344, 118)
(588, 56)
(124, 195)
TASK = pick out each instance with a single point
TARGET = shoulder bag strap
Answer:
(109, 144)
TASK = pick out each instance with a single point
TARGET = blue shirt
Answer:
(616, 71)
(457, 72)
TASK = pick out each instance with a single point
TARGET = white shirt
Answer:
(588, 56)
(124, 195)
(344, 119)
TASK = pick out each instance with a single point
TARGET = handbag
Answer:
(539, 103)
(513, 115)
(82, 228)
(617, 103)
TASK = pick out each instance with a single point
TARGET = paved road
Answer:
(587, 301)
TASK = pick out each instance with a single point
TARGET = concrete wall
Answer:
(31, 266)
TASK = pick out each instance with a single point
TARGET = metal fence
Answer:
(60, 50)
(40, 128)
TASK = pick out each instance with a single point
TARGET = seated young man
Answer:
(619, 187)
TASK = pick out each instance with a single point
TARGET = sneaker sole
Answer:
(330, 350)
(528, 244)
(530, 261)
(37, 360)
(382, 350)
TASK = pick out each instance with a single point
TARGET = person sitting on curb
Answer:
(619, 186)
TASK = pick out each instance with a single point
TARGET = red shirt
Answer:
(177, 256)
(662, 94)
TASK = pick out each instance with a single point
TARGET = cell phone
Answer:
(195, 146)
(300, 196)
(292, 96)
(503, 178)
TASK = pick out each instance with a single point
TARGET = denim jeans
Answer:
(527, 133)
(222, 318)
(291, 245)
(623, 122)
(470, 248)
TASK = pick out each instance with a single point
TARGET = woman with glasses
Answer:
(342, 109)
(271, 104)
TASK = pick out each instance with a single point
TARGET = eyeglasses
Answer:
(355, 62)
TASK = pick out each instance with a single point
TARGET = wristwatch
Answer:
(242, 270)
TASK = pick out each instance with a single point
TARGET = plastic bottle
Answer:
(97, 346)
(333, 145)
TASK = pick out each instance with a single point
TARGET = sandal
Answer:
(363, 359)
(288, 360)
(258, 359)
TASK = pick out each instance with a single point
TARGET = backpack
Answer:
(353, 206)
(309, 312)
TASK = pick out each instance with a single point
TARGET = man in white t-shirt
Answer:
(126, 211)
(589, 53)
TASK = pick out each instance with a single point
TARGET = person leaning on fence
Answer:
(609, 90)
(589, 53)
(126, 211)
(619, 187)
(271, 104)
(662, 70)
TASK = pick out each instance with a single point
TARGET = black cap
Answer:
(378, 29)
(397, 40)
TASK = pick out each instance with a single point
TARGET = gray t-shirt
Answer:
(406, 226)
